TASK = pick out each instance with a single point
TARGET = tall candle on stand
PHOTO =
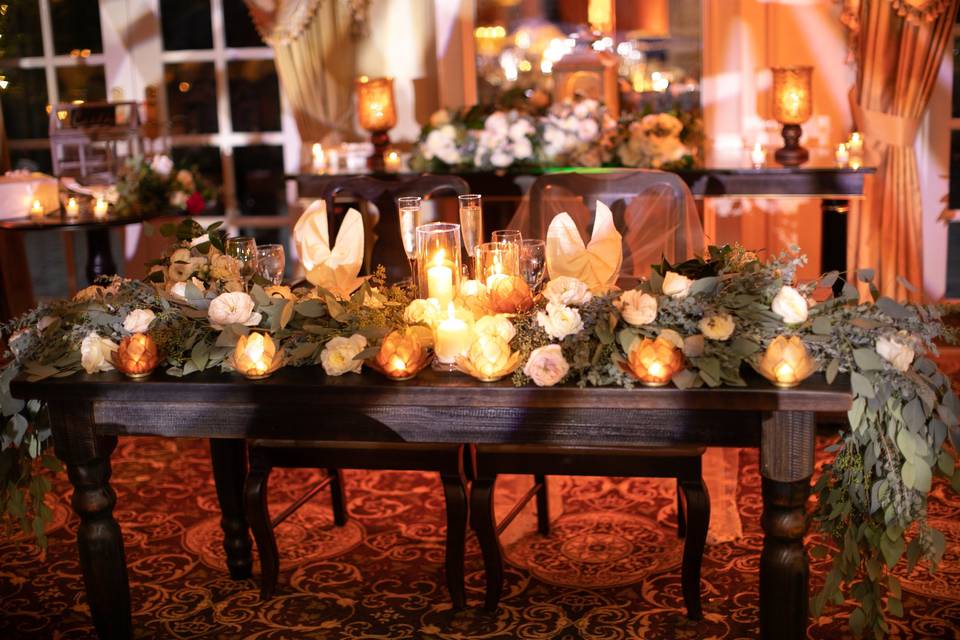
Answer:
(440, 278)
(319, 157)
(73, 209)
(842, 155)
(453, 337)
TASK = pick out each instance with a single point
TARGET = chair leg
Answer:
(338, 497)
(455, 495)
(681, 516)
(482, 517)
(697, 503)
(255, 495)
(543, 506)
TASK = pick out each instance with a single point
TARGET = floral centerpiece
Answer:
(707, 322)
(577, 134)
(156, 185)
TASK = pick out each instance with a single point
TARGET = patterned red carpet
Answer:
(609, 570)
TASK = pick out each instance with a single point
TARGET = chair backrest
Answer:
(653, 210)
(382, 243)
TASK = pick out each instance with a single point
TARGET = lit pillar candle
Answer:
(391, 162)
(100, 208)
(440, 278)
(453, 337)
(319, 157)
(855, 144)
(73, 209)
(842, 155)
(497, 273)
(37, 209)
(758, 156)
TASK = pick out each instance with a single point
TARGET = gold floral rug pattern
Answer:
(608, 571)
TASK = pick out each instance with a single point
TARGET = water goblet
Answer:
(271, 262)
(533, 263)
(244, 250)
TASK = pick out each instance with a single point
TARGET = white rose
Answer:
(546, 366)
(422, 312)
(588, 129)
(565, 290)
(96, 353)
(790, 305)
(180, 265)
(719, 326)
(672, 337)
(637, 308)
(235, 307)
(896, 351)
(162, 164)
(676, 285)
(498, 326)
(560, 321)
(178, 200)
(138, 320)
(338, 355)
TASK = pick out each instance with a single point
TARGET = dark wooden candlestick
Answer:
(792, 154)
(381, 141)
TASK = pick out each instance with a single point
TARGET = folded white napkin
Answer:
(598, 263)
(332, 269)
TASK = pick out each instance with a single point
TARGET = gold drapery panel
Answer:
(313, 47)
(898, 48)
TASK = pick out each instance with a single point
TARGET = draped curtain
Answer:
(898, 46)
(313, 44)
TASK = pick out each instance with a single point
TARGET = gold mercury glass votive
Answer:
(654, 362)
(792, 106)
(786, 362)
(509, 294)
(256, 356)
(136, 356)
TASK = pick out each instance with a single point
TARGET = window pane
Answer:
(259, 176)
(956, 78)
(254, 95)
(954, 196)
(206, 160)
(81, 83)
(25, 104)
(186, 24)
(953, 260)
(31, 160)
(191, 97)
(21, 36)
(239, 25)
(76, 26)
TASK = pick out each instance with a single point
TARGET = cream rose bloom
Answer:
(235, 307)
(138, 320)
(560, 321)
(637, 308)
(566, 290)
(181, 266)
(896, 350)
(499, 326)
(546, 366)
(422, 311)
(718, 326)
(676, 285)
(338, 355)
(224, 267)
(790, 305)
(96, 353)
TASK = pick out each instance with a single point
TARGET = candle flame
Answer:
(397, 363)
(439, 257)
(656, 369)
(784, 372)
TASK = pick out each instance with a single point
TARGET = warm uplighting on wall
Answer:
(792, 106)
(601, 15)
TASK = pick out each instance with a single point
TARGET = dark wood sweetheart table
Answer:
(88, 413)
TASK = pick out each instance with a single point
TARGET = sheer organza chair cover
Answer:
(654, 211)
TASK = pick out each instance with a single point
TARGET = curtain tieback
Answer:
(897, 131)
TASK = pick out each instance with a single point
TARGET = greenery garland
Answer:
(722, 310)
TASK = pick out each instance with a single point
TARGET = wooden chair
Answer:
(682, 463)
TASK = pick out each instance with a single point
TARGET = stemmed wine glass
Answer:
(410, 218)
(244, 250)
(533, 262)
(271, 261)
(471, 222)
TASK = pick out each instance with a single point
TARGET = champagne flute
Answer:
(533, 263)
(244, 250)
(410, 218)
(471, 221)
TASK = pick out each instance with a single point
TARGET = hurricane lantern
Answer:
(136, 356)
(792, 106)
(377, 114)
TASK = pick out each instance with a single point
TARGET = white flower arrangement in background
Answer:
(506, 139)
(653, 141)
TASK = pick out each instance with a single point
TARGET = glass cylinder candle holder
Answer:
(438, 261)
(792, 106)
(377, 114)
(496, 260)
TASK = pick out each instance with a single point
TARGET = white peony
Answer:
(162, 165)
(676, 285)
(498, 326)
(338, 355)
(441, 143)
(896, 350)
(138, 320)
(637, 308)
(566, 290)
(546, 366)
(421, 311)
(790, 305)
(233, 308)
(96, 353)
(560, 321)
(719, 326)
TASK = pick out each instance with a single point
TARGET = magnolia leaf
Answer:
(862, 385)
(311, 308)
(832, 369)
(895, 607)
(744, 347)
(626, 338)
(868, 359)
(287, 314)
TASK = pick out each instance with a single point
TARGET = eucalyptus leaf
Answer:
(832, 369)
(862, 385)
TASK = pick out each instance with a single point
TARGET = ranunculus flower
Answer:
(162, 165)
(138, 320)
(499, 326)
(181, 266)
(195, 204)
(338, 355)
(560, 321)
(233, 308)
(489, 357)
(567, 290)
(421, 311)
(96, 353)
(718, 326)
(896, 350)
(676, 285)
(546, 366)
(790, 305)
(637, 308)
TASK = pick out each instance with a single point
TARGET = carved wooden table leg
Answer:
(485, 526)
(455, 496)
(229, 460)
(786, 455)
(99, 541)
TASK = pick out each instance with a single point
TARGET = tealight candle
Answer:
(37, 209)
(136, 356)
(842, 155)
(786, 362)
(73, 209)
(496, 274)
(100, 208)
(855, 144)
(319, 157)
(256, 356)
(654, 362)
(440, 278)
(453, 337)
(391, 162)
(758, 156)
